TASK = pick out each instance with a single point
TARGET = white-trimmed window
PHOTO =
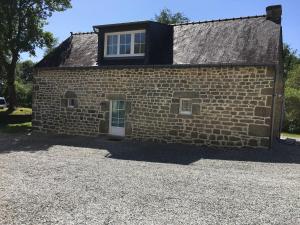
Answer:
(185, 106)
(128, 43)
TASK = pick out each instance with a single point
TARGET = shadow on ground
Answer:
(150, 152)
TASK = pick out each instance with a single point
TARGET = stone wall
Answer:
(231, 106)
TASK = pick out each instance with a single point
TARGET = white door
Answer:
(117, 118)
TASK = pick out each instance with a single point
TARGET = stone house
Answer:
(206, 83)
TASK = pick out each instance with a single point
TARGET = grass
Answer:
(16, 128)
(20, 127)
(289, 135)
(18, 111)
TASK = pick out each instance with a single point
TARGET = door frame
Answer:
(122, 132)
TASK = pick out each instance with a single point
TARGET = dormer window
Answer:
(128, 43)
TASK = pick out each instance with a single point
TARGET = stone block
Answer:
(267, 91)
(202, 136)
(271, 72)
(269, 101)
(252, 142)
(128, 128)
(116, 96)
(174, 109)
(259, 130)
(104, 106)
(186, 94)
(104, 126)
(70, 94)
(262, 111)
(173, 132)
(194, 135)
(195, 109)
(128, 107)
(63, 102)
(265, 142)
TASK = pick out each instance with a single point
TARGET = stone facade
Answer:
(231, 105)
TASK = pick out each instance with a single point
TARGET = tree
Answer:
(22, 30)
(167, 17)
(24, 71)
(290, 59)
(49, 49)
(292, 89)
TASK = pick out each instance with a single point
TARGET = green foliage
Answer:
(24, 71)
(167, 17)
(291, 63)
(23, 83)
(22, 23)
(16, 128)
(22, 30)
(290, 59)
(292, 100)
(49, 49)
(24, 93)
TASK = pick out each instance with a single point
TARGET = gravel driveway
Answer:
(72, 180)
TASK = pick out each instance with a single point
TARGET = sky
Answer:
(86, 13)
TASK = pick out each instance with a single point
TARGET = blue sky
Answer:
(86, 13)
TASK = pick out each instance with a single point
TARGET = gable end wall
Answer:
(231, 105)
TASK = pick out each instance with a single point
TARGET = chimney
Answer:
(274, 13)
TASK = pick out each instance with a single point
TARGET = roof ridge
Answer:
(218, 20)
(82, 33)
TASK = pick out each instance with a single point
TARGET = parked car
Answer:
(2, 103)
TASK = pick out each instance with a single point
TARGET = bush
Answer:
(24, 93)
(292, 111)
(292, 101)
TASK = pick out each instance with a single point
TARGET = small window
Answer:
(71, 103)
(185, 106)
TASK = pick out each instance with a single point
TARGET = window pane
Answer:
(121, 105)
(186, 106)
(112, 44)
(115, 39)
(109, 39)
(137, 38)
(114, 114)
(121, 114)
(125, 43)
(112, 39)
(137, 48)
(122, 39)
(142, 48)
(139, 43)
(122, 49)
(112, 50)
(142, 37)
(128, 38)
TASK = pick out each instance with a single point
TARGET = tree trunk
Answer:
(11, 87)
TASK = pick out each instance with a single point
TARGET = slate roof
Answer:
(252, 40)
(248, 40)
(79, 50)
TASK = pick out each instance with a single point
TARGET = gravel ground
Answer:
(71, 180)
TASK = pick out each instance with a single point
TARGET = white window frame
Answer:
(181, 111)
(132, 33)
(69, 103)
